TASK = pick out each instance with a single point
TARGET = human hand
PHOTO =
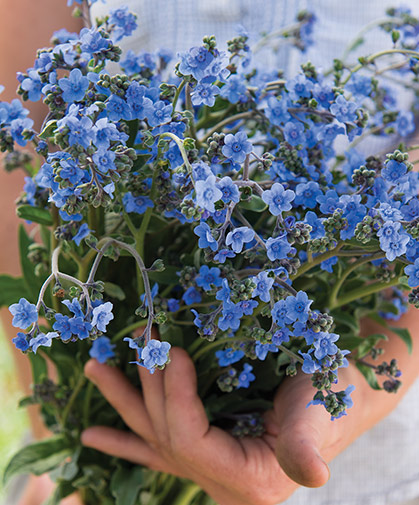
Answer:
(171, 433)
(39, 488)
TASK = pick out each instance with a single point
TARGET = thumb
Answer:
(298, 453)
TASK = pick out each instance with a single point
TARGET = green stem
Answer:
(128, 329)
(317, 260)
(226, 121)
(86, 404)
(375, 56)
(187, 494)
(189, 107)
(182, 150)
(77, 388)
(356, 294)
(361, 261)
(177, 94)
(54, 245)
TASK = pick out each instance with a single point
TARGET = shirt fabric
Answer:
(382, 466)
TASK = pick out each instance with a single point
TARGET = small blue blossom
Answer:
(138, 204)
(161, 113)
(42, 339)
(80, 327)
(229, 356)
(191, 296)
(102, 315)
(104, 160)
(124, 22)
(74, 86)
(21, 342)
(394, 171)
(278, 248)
(117, 108)
(102, 349)
(155, 354)
(74, 307)
(205, 237)
(412, 271)
(245, 377)
(238, 237)
(33, 85)
(24, 314)
(405, 123)
(236, 147)
(248, 306)
(298, 307)
(306, 194)
(280, 336)
(62, 326)
(224, 293)
(343, 110)
(207, 193)
(223, 254)
(324, 344)
(173, 304)
(294, 133)
(280, 314)
(309, 365)
(264, 284)
(327, 265)
(208, 277)
(230, 191)
(261, 350)
(277, 110)
(317, 228)
(204, 94)
(231, 315)
(278, 198)
(82, 233)
(234, 90)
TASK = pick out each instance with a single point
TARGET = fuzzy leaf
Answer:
(34, 214)
(369, 375)
(126, 484)
(256, 204)
(404, 334)
(11, 290)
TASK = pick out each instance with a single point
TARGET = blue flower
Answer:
(138, 204)
(343, 110)
(234, 90)
(42, 339)
(74, 307)
(412, 271)
(360, 86)
(309, 365)
(238, 237)
(229, 356)
(236, 147)
(191, 296)
(264, 284)
(280, 314)
(277, 111)
(300, 87)
(207, 277)
(173, 305)
(104, 160)
(324, 344)
(195, 61)
(102, 315)
(245, 377)
(224, 293)
(161, 113)
(294, 133)
(278, 248)
(102, 349)
(207, 193)
(306, 194)
(155, 354)
(230, 192)
(323, 93)
(200, 171)
(329, 202)
(327, 265)
(261, 350)
(317, 228)
(394, 171)
(223, 254)
(74, 86)
(205, 237)
(81, 131)
(82, 233)
(278, 198)
(124, 22)
(204, 94)
(248, 306)
(33, 85)
(80, 327)
(280, 336)
(62, 325)
(298, 307)
(117, 108)
(231, 315)
(24, 314)
(21, 342)
(405, 123)
(17, 127)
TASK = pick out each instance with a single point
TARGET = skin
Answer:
(170, 431)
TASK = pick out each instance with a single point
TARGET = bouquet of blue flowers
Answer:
(210, 200)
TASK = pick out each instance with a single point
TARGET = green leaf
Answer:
(11, 290)
(256, 204)
(168, 276)
(388, 307)
(368, 343)
(34, 214)
(346, 319)
(404, 282)
(32, 282)
(48, 130)
(39, 458)
(39, 367)
(404, 334)
(114, 291)
(63, 490)
(369, 374)
(126, 484)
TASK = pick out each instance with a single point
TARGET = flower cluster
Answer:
(234, 180)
